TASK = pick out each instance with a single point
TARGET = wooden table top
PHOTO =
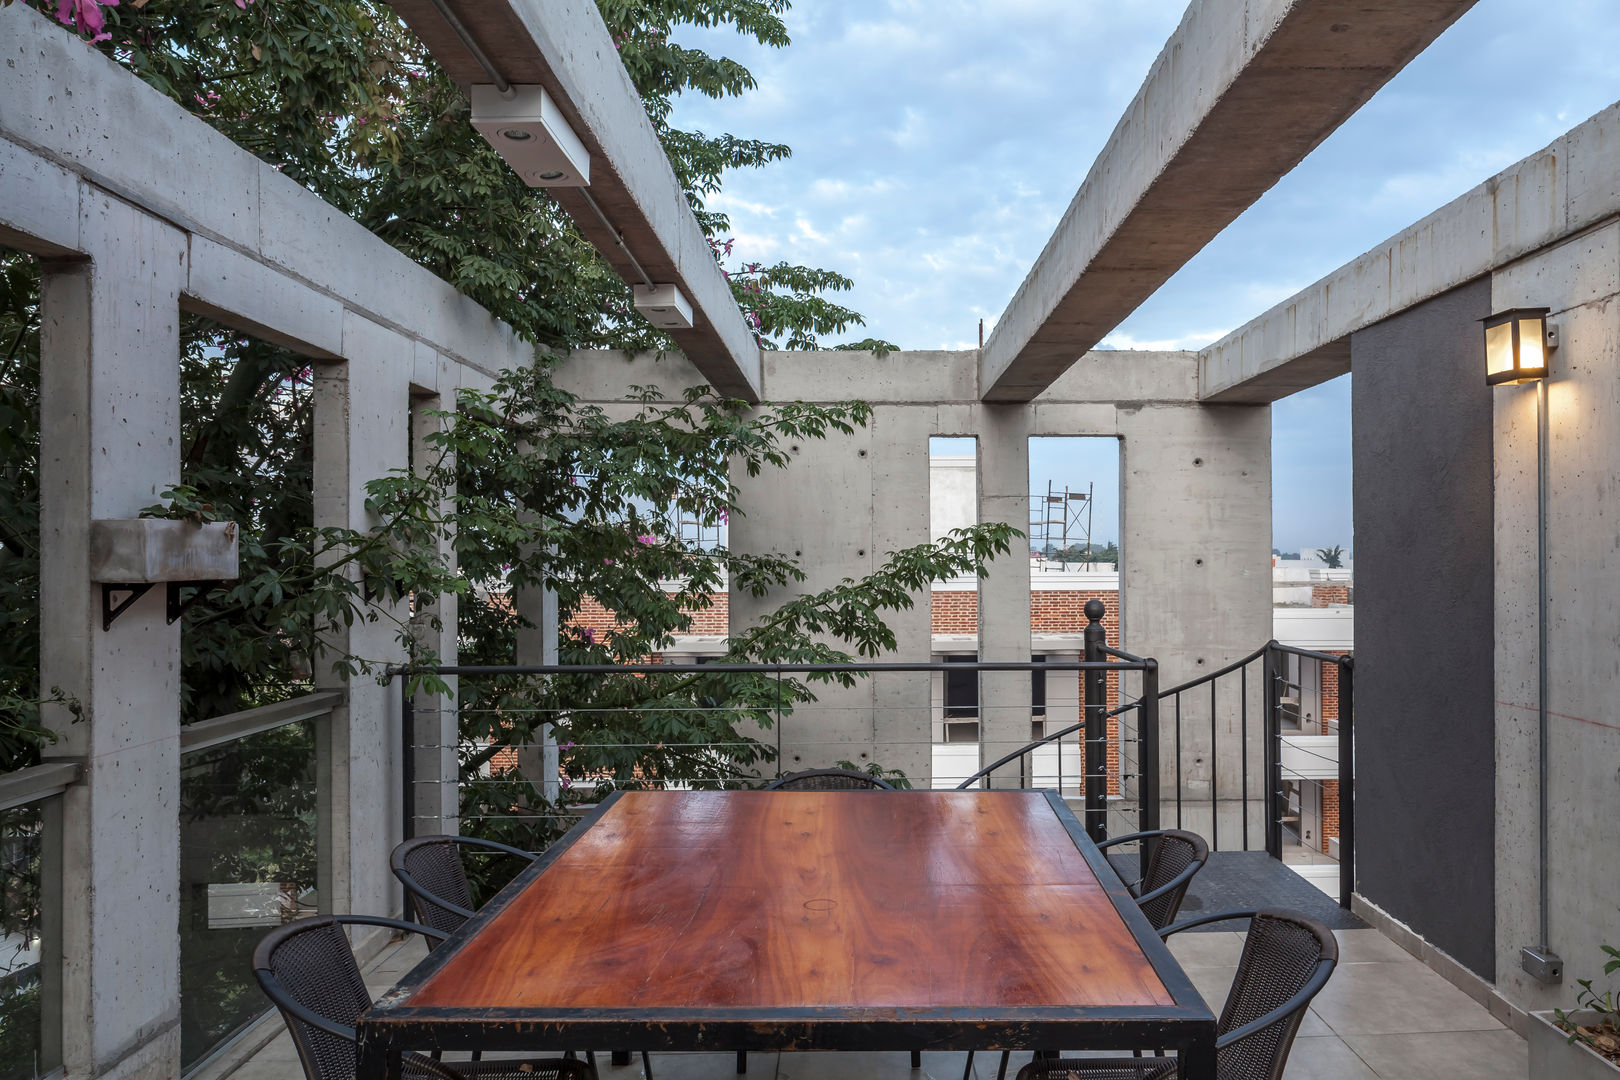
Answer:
(795, 900)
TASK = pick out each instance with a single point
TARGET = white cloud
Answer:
(1193, 341)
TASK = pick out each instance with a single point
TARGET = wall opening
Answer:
(29, 953)
(247, 815)
(953, 490)
(1074, 557)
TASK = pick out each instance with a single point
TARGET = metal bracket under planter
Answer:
(176, 606)
(130, 556)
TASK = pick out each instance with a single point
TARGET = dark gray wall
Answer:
(1425, 570)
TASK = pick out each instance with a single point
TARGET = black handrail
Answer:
(1212, 676)
(851, 668)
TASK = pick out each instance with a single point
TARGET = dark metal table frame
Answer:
(393, 1025)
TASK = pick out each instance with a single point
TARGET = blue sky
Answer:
(937, 142)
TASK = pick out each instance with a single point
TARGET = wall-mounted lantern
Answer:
(1516, 346)
(1517, 343)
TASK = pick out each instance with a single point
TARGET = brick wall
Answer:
(955, 612)
(1328, 595)
(1330, 711)
(715, 619)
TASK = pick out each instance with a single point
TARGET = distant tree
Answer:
(1333, 556)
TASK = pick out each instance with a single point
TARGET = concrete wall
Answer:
(1579, 279)
(1195, 509)
(142, 211)
(1426, 753)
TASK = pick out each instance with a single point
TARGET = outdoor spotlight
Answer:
(664, 306)
(529, 132)
(1516, 346)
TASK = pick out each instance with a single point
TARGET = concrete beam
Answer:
(57, 134)
(1557, 192)
(564, 46)
(1239, 95)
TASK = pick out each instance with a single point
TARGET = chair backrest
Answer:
(1169, 855)
(1280, 955)
(311, 963)
(433, 872)
(828, 780)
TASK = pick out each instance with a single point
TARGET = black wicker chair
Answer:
(1169, 858)
(430, 869)
(828, 780)
(308, 969)
(1287, 958)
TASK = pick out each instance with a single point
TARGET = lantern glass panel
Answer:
(1499, 348)
(1532, 355)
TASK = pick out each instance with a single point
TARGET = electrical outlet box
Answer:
(1542, 964)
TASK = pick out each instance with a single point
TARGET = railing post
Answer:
(1148, 749)
(1347, 780)
(1273, 736)
(1096, 709)
(407, 771)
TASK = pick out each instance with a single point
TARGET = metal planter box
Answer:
(144, 550)
(1554, 1057)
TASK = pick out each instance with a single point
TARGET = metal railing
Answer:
(779, 728)
(1288, 786)
(30, 914)
(1283, 788)
(249, 857)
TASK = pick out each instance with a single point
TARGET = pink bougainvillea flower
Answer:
(243, 4)
(85, 16)
(646, 540)
(725, 515)
(589, 635)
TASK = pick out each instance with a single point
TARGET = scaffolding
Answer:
(695, 533)
(1060, 521)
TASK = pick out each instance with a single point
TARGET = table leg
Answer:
(376, 1060)
(1199, 1060)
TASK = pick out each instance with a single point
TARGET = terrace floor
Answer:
(1383, 1016)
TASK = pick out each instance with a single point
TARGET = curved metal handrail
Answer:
(1310, 654)
(1212, 676)
(1042, 741)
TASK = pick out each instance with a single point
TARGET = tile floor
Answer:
(1383, 1016)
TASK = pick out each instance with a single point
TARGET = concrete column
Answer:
(362, 407)
(1195, 587)
(1004, 635)
(110, 418)
(435, 803)
(1063, 710)
(1579, 279)
(901, 732)
(537, 644)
